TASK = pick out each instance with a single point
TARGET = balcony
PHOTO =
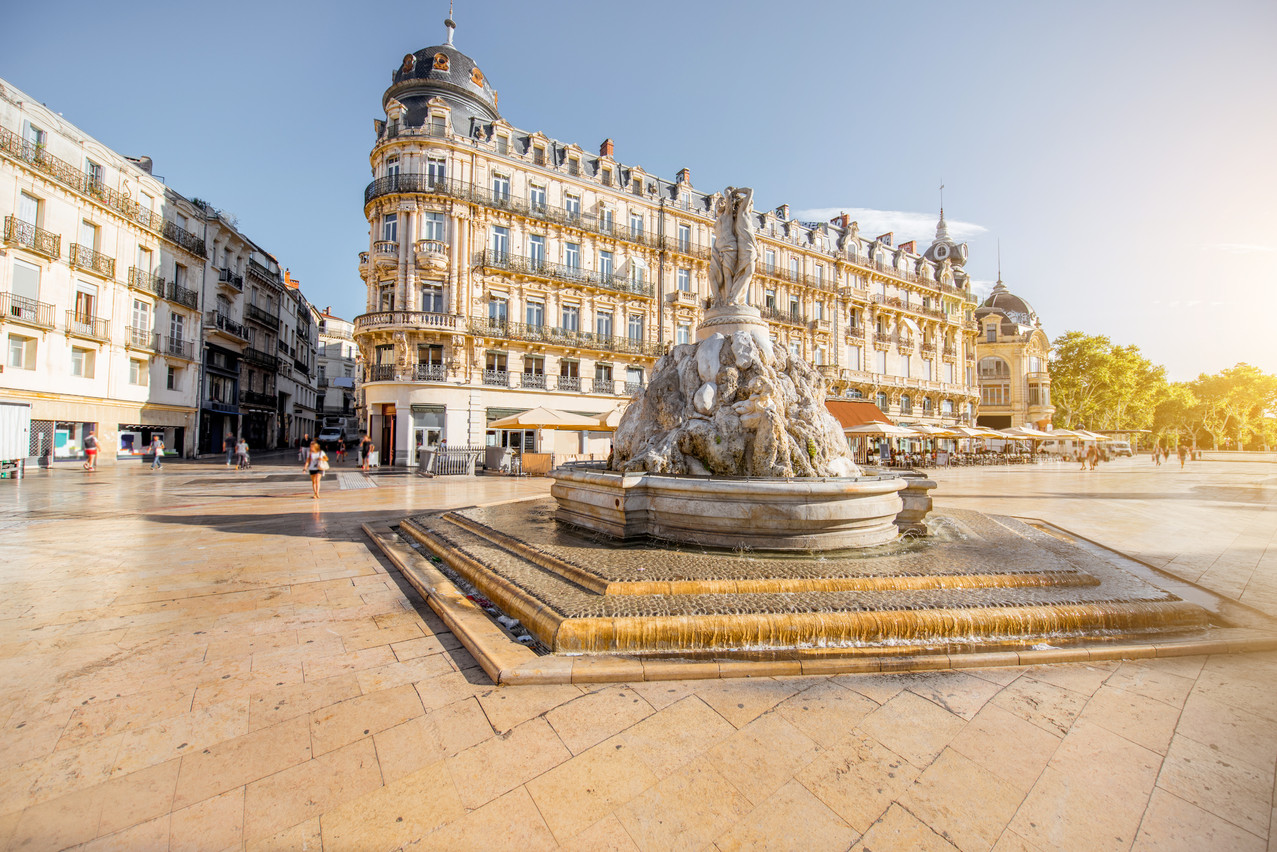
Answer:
(535, 381)
(30, 237)
(262, 317)
(774, 314)
(180, 295)
(147, 282)
(177, 348)
(26, 311)
(856, 334)
(400, 319)
(496, 378)
(301, 367)
(504, 330)
(141, 338)
(381, 372)
(86, 326)
(951, 352)
(1039, 378)
(68, 175)
(685, 247)
(227, 278)
(260, 358)
(929, 350)
(363, 264)
(263, 273)
(821, 325)
(535, 268)
(430, 373)
(385, 254)
(431, 255)
(257, 399)
(83, 257)
(218, 322)
(683, 298)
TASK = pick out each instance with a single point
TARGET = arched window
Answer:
(881, 399)
(906, 404)
(992, 367)
(926, 405)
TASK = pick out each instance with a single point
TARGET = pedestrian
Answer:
(365, 443)
(316, 463)
(157, 448)
(371, 448)
(1093, 456)
(1157, 455)
(241, 455)
(1083, 454)
(1166, 453)
(91, 450)
(228, 447)
(341, 450)
(303, 448)
(1183, 455)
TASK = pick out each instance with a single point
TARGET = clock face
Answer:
(942, 251)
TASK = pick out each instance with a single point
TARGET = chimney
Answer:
(607, 148)
(782, 212)
(143, 163)
(684, 176)
(842, 220)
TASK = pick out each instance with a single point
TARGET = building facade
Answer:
(99, 305)
(1012, 352)
(336, 359)
(507, 270)
(297, 355)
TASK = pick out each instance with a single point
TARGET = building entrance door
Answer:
(388, 435)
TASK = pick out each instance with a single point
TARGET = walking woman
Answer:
(316, 464)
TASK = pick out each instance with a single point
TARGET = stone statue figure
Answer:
(731, 262)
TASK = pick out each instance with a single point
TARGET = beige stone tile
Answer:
(1010, 747)
(606, 835)
(574, 795)
(423, 646)
(137, 797)
(1082, 678)
(790, 819)
(1052, 708)
(152, 834)
(441, 733)
(1234, 732)
(352, 661)
(400, 812)
(912, 727)
(225, 766)
(662, 693)
(899, 829)
(512, 820)
(1152, 681)
(676, 735)
(303, 837)
(1170, 823)
(880, 687)
(742, 700)
(274, 706)
(59, 823)
(760, 757)
(1012, 842)
(595, 716)
(309, 789)
(960, 693)
(962, 802)
(182, 735)
(508, 707)
(521, 754)
(1144, 721)
(826, 712)
(448, 688)
(28, 736)
(1237, 791)
(400, 673)
(216, 823)
(341, 724)
(685, 811)
(62, 772)
(858, 779)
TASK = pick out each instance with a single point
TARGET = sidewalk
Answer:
(207, 658)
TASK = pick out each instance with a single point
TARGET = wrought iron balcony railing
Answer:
(257, 399)
(431, 373)
(381, 372)
(29, 236)
(485, 327)
(533, 267)
(86, 325)
(40, 159)
(23, 310)
(221, 322)
(147, 282)
(227, 276)
(141, 338)
(262, 272)
(262, 316)
(179, 348)
(84, 257)
(790, 317)
(181, 295)
(256, 356)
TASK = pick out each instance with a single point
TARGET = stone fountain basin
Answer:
(732, 512)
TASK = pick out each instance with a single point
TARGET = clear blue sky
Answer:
(1121, 152)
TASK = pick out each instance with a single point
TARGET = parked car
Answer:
(1120, 448)
(329, 437)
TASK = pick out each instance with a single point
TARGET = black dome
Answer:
(1003, 301)
(445, 72)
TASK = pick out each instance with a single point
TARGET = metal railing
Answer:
(29, 311)
(221, 322)
(488, 259)
(179, 348)
(181, 295)
(777, 315)
(257, 398)
(68, 175)
(261, 358)
(86, 325)
(301, 367)
(264, 317)
(147, 282)
(84, 257)
(381, 372)
(29, 236)
(141, 338)
(227, 276)
(506, 330)
(430, 373)
(262, 272)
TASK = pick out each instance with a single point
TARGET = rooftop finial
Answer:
(942, 230)
(999, 262)
(449, 23)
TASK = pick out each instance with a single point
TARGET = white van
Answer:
(1120, 448)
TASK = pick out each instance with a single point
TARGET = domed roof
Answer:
(445, 72)
(1003, 301)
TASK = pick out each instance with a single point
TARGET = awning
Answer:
(855, 412)
(885, 430)
(545, 418)
(911, 325)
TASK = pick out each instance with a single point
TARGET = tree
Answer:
(1236, 403)
(1097, 385)
(1178, 416)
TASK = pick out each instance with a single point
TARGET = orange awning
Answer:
(856, 412)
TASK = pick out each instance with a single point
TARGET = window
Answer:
(927, 371)
(571, 318)
(436, 170)
(21, 352)
(495, 362)
(89, 235)
(385, 296)
(771, 260)
(177, 327)
(433, 226)
(536, 249)
(141, 316)
(633, 378)
(501, 187)
(769, 299)
(572, 255)
(572, 203)
(500, 242)
(635, 327)
(820, 275)
(503, 144)
(818, 310)
(82, 362)
(605, 263)
(906, 404)
(638, 271)
(179, 275)
(795, 349)
(994, 368)
(430, 354)
(498, 309)
(948, 373)
(574, 165)
(93, 175)
(535, 312)
(995, 394)
(881, 366)
(538, 155)
(33, 134)
(29, 209)
(793, 268)
(881, 400)
(853, 357)
(795, 310)
(603, 324)
(636, 224)
(536, 197)
(392, 167)
(139, 374)
(820, 355)
(86, 299)
(946, 407)
(608, 220)
(685, 280)
(991, 333)
(854, 318)
(26, 289)
(607, 177)
(684, 238)
(390, 227)
(927, 405)
(683, 334)
(174, 380)
(603, 376)
(534, 365)
(904, 366)
(432, 297)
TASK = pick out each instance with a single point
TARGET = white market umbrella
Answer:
(881, 430)
(545, 418)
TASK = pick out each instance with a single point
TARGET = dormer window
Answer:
(538, 155)
(438, 124)
(574, 166)
(607, 177)
(503, 143)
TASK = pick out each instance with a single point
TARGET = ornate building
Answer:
(507, 270)
(337, 363)
(1015, 387)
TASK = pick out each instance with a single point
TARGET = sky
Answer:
(1120, 153)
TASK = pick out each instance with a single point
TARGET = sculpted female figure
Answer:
(731, 262)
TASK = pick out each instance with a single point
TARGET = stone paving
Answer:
(199, 658)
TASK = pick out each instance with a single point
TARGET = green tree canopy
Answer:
(1236, 405)
(1096, 385)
